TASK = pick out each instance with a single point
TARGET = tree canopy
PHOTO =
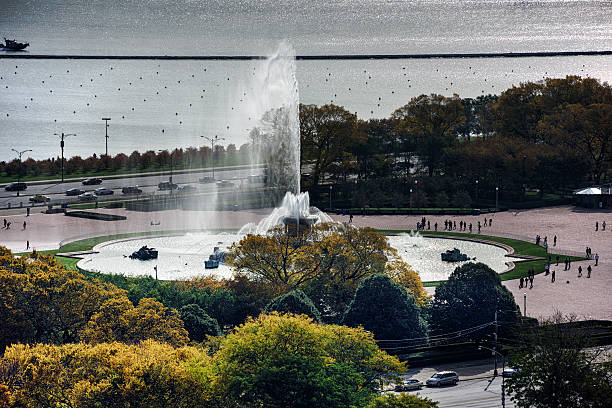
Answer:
(295, 302)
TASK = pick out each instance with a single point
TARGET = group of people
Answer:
(450, 225)
(603, 225)
(7, 224)
(528, 280)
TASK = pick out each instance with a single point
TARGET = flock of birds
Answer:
(175, 93)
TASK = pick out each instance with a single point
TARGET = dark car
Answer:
(166, 185)
(74, 192)
(90, 181)
(16, 186)
(131, 190)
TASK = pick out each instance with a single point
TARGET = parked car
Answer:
(16, 186)
(131, 190)
(103, 191)
(39, 198)
(443, 378)
(509, 372)
(87, 197)
(409, 385)
(206, 180)
(167, 185)
(91, 181)
(74, 192)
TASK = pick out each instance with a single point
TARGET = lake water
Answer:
(167, 104)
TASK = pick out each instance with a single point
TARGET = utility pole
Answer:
(495, 346)
(330, 197)
(496, 197)
(213, 141)
(106, 136)
(62, 137)
(20, 153)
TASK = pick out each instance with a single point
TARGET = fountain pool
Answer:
(182, 257)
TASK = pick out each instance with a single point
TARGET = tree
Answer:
(469, 298)
(197, 323)
(403, 274)
(326, 132)
(433, 121)
(295, 302)
(402, 401)
(557, 369)
(385, 308)
(290, 361)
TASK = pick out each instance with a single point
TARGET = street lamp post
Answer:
(62, 137)
(213, 141)
(476, 192)
(20, 153)
(496, 197)
(410, 198)
(525, 304)
(330, 197)
(503, 386)
(106, 133)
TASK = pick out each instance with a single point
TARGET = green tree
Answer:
(295, 302)
(385, 308)
(290, 361)
(402, 401)
(558, 369)
(469, 298)
(197, 323)
(433, 121)
(326, 133)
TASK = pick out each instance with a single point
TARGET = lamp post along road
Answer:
(503, 387)
(20, 153)
(496, 197)
(213, 141)
(106, 134)
(62, 137)
(330, 197)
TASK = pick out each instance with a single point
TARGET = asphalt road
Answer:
(148, 184)
(469, 393)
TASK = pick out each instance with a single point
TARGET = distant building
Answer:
(595, 197)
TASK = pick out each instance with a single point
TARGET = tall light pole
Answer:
(503, 386)
(476, 192)
(106, 133)
(213, 141)
(496, 197)
(62, 137)
(330, 197)
(20, 153)
(410, 198)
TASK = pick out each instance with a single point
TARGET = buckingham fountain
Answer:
(274, 142)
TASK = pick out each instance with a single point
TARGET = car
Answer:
(103, 191)
(90, 181)
(167, 185)
(225, 184)
(87, 197)
(39, 198)
(443, 378)
(509, 372)
(74, 192)
(131, 190)
(409, 385)
(206, 180)
(187, 188)
(16, 186)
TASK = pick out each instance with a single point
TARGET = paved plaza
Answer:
(587, 298)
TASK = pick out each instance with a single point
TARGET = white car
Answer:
(87, 197)
(103, 191)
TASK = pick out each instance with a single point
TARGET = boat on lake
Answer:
(12, 45)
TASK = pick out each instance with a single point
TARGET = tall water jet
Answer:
(275, 140)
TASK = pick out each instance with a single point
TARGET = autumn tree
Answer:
(326, 132)
(290, 361)
(402, 401)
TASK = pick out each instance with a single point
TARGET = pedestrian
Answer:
(428, 225)
(546, 270)
(580, 271)
(479, 227)
(8, 225)
(350, 218)
(454, 225)
(436, 226)
(24, 225)
(603, 225)
(565, 269)
(553, 277)
(490, 222)
(596, 226)
(589, 269)
(27, 244)
(470, 227)
(485, 221)
(555, 240)
(521, 283)
(531, 282)
(596, 259)
(28, 213)
(5, 223)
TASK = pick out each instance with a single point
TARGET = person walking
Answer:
(350, 218)
(553, 277)
(596, 259)
(596, 226)
(24, 225)
(603, 225)
(436, 226)
(28, 213)
(490, 222)
(580, 271)
(27, 244)
(521, 283)
(589, 269)
(531, 282)
(555, 240)
(5, 223)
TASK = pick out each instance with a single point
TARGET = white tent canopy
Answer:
(589, 191)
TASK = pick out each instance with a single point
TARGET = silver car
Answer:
(443, 378)
(409, 385)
